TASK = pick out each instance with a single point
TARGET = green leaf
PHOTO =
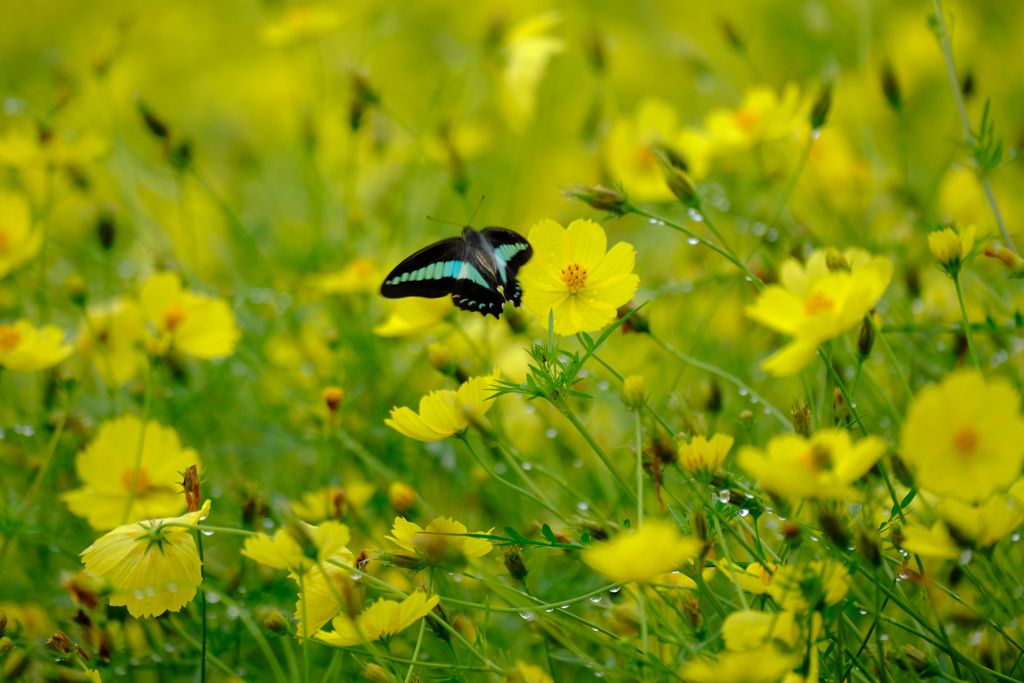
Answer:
(547, 533)
(908, 499)
(515, 535)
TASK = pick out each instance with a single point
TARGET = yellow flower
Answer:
(766, 664)
(300, 22)
(441, 542)
(154, 567)
(193, 324)
(333, 502)
(933, 542)
(528, 49)
(951, 249)
(762, 116)
(107, 468)
(964, 437)
(642, 555)
(634, 391)
(298, 547)
(445, 412)
(748, 629)
(571, 274)
(26, 348)
(632, 147)
(754, 578)
(361, 276)
(798, 587)
(324, 591)
(382, 619)
(528, 673)
(112, 340)
(414, 315)
(704, 455)
(985, 523)
(19, 241)
(814, 304)
(823, 466)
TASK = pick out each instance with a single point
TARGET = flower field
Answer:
(506, 342)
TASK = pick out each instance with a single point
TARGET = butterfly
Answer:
(478, 269)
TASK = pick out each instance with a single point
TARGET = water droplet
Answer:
(529, 616)
(595, 599)
(207, 532)
(212, 598)
(550, 609)
(355, 576)
(863, 611)
(615, 590)
(695, 215)
(744, 512)
(583, 506)
(816, 133)
(1015, 538)
(652, 221)
(527, 466)
(723, 495)
(565, 607)
(965, 557)
(551, 433)
(692, 241)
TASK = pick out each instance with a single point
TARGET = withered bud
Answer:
(155, 125)
(275, 622)
(636, 322)
(376, 673)
(833, 527)
(597, 197)
(790, 530)
(85, 589)
(968, 85)
(60, 642)
(891, 86)
(1009, 259)
(332, 397)
(699, 526)
(800, 413)
(514, 562)
(866, 337)
(400, 560)
(819, 112)
(867, 546)
(713, 401)
(106, 230)
(190, 484)
(661, 446)
(3, 622)
(681, 185)
(596, 51)
(835, 260)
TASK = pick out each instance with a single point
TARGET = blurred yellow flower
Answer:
(300, 22)
(527, 50)
(632, 150)
(528, 673)
(333, 502)
(634, 391)
(951, 249)
(964, 437)
(703, 454)
(414, 315)
(762, 116)
(324, 591)
(107, 469)
(299, 547)
(985, 523)
(153, 566)
(642, 555)
(111, 340)
(19, 240)
(571, 274)
(360, 276)
(441, 542)
(749, 629)
(934, 542)
(754, 578)
(27, 348)
(823, 466)
(383, 618)
(814, 304)
(797, 587)
(193, 324)
(445, 412)
(766, 664)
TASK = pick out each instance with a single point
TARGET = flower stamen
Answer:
(141, 484)
(818, 303)
(174, 316)
(965, 441)
(575, 277)
(9, 337)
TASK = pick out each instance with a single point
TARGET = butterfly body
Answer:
(477, 269)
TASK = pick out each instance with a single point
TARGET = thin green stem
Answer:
(638, 424)
(494, 475)
(892, 356)
(419, 638)
(601, 454)
(644, 645)
(967, 323)
(202, 603)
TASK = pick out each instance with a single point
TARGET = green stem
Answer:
(506, 482)
(639, 470)
(305, 628)
(644, 646)
(967, 323)
(141, 446)
(892, 356)
(202, 603)
(419, 638)
(601, 454)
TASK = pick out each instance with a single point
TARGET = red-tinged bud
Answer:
(332, 397)
(1009, 259)
(60, 642)
(401, 496)
(191, 486)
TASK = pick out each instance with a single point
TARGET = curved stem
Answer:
(967, 323)
(601, 454)
(506, 482)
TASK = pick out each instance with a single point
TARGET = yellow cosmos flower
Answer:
(571, 274)
(333, 502)
(528, 673)
(27, 348)
(299, 23)
(632, 147)
(951, 249)
(528, 48)
(934, 542)
(298, 547)
(414, 315)
(441, 542)
(798, 587)
(814, 304)
(754, 578)
(964, 437)
(111, 339)
(703, 455)
(193, 324)
(642, 555)
(445, 412)
(154, 567)
(107, 469)
(382, 619)
(19, 241)
(324, 591)
(823, 466)
(762, 116)
(361, 276)
(766, 664)
(985, 523)
(749, 629)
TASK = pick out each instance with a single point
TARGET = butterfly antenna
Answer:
(477, 210)
(441, 220)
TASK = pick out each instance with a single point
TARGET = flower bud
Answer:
(596, 51)
(681, 185)
(801, 416)
(6, 645)
(60, 642)
(866, 338)
(835, 261)
(154, 124)
(332, 397)
(902, 472)
(833, 527)
(635, 323)
(819, 112)
(1009, 259)
(190, 484)
(363, 97)
(465, 627)
(514, 562)
(376, 673)
(600, 198)
(106, 230)
(3, 622)
(16, 665)
(276, 622)
(77, 290)
(699, 526)
(951, 249)
(634, 392)
(868, 547)
(891, 87)
(401, 496)
(747, 417)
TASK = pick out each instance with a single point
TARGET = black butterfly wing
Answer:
(431, 272)
(512, 251)
(470, 295)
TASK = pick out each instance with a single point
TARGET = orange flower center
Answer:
(965, 441)
(174, 315)
(141, 485)
(575, 277)
(4, 239)
(816, 303)
(645, 157)
(746, 119)
(9, 337)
